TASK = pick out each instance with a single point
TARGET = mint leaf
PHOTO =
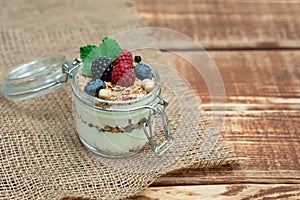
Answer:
(105, 38)
(109, 48)
(84, 51)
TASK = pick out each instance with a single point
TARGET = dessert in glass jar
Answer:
(116, 98)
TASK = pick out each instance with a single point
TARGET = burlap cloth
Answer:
(41, 156)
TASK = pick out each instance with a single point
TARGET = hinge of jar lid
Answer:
(69, 69)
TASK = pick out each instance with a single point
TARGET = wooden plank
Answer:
(254, 79)
(224, 191)
(262, 120)
(271, 149)
(235, 24)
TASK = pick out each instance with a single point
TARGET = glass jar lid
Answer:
(34, 79)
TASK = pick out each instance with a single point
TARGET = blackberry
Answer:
(102, 69)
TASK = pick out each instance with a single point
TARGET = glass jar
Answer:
(108, 128)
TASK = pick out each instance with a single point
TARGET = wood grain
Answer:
(262, 120)
(234, 24)
(254, 78)
(231, 192)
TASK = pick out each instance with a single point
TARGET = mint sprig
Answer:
(108, 48)
(84, 51)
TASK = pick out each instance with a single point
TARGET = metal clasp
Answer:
(69, 69)
(158, 149)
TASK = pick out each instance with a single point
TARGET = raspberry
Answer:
(124, 57)
(123, 75)
(102, 69)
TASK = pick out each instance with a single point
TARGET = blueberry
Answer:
(137, 59)
(142, 71)
(93, 87)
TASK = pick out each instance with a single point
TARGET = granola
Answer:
(120, 93)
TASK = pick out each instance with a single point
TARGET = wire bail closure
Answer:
(159, 149)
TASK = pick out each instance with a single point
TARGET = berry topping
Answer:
(124, 57)
(137, 59)
(123, 75)
(102, 68)
(142, 71)
(108, 48)
(93, 87)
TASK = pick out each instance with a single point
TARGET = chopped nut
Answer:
(108, 84)
(122, 130)
(105, 94)
(107, 128)
(133, 96)
(114, 130)
(148, 85)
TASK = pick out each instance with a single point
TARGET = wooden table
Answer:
(256, 46)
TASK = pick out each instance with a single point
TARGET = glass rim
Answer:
(34, 78)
